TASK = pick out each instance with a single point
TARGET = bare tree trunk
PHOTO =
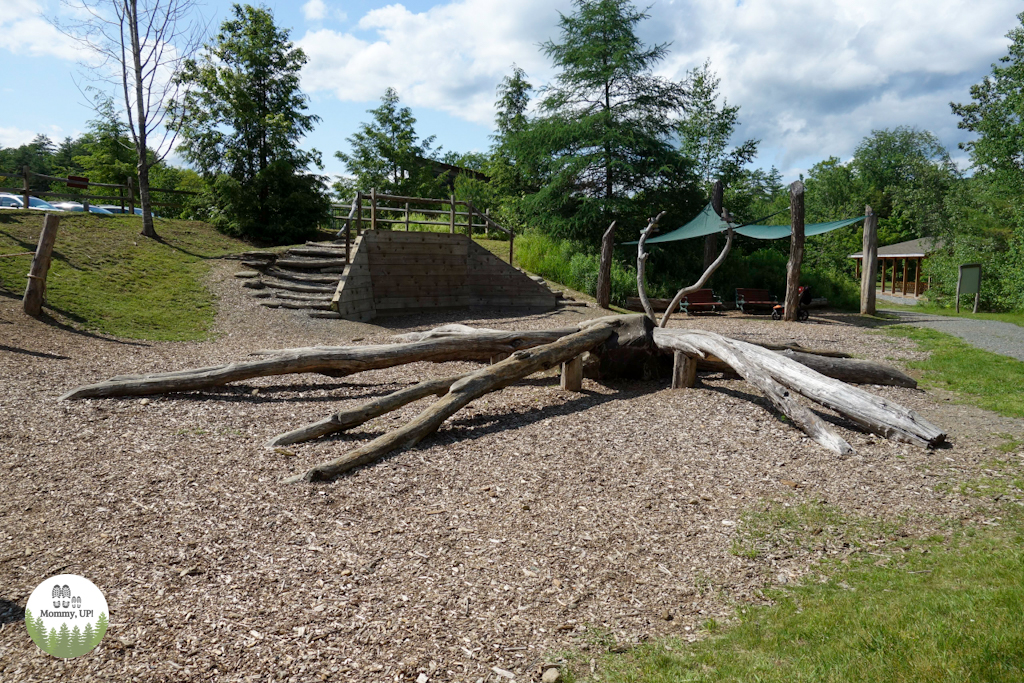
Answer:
(796, 251)
(641, 264)
(700, 282)
(604, 274)
(488, 379)
(869, 263)
(35, 290)
(711, 241)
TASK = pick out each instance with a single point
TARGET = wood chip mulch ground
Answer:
(533, 524)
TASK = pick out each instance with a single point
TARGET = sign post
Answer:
(969, 282)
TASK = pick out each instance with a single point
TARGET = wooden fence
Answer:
(125, 198)
(373, 211)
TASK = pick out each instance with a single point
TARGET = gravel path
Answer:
(998, 337)
(535, 521)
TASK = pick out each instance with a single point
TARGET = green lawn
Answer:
(108, 278)
(948, 608)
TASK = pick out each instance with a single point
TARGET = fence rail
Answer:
(126, 194)
(381, 215)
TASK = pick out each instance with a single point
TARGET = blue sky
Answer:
(812, 77)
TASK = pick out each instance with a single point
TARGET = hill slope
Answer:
(108, 278)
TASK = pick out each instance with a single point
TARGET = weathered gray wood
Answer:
(796, 251)
(491, 378)
(35, 290)
(684, 370)
(339, 361)
(852, 370)
(346, 419)
(572, 374)
(737, 356)
(604, 273)
(711, 241)
(869, 263)
(873, 413)
(641, 263)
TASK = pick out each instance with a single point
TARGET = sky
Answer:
(812, 77)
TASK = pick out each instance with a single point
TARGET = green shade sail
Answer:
(708, 222)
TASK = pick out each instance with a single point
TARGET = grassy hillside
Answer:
(108, 278)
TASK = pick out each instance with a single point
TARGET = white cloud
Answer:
(812, 78)
(23, 30)
(314, 10)
(15, 137)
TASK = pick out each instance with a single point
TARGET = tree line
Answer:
(65, 642)
(607, 140)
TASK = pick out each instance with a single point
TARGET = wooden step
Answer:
(296, 296)
(317, 251)
(300, 276)
(311, 263)
(325, 314)
(284, 303)
(260, 255)
(298, 287)
(256, 265)
(338, 244)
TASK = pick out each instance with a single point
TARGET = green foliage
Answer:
(104, 278)
(705, 130)
(602, 147)
(567, 263)
(241, 122)
(386, 154)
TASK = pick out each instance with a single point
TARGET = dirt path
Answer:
(534, 522)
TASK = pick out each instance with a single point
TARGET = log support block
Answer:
(498, 357)
(684, 371)
(572, 374)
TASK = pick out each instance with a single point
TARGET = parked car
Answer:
(112, 208)
(75, 206)
(13, 201)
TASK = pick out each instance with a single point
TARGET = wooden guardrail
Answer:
(125, 197)
(390, 212)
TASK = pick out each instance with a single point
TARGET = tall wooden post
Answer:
(407, 216)
(796, 250)
(892, 290)
(373, 208)
(36, 288)
(359, 213)
(131, 196)
(25, 172)
(604, 274)
(711, 241)
(452, 216)
(904, 287)
(869, 268)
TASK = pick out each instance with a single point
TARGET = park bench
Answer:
(754, 298)
(701, 301)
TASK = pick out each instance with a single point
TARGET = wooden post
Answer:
(977, 295)
(469, 219)
(487, 226)
(917, 279)
(407, 216)
(451, 220)
(711, 241)
(796, 250)
(904, 290)
(892, 290)
(572, 374)
(36, 288)
(511, 240)
(359, 213)
(856, 266)
(604, 273)
(131, 195)
(373, 208)
(869, 263)
(684, 371)
(25, 187)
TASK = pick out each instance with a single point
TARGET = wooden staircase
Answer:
(303, 278)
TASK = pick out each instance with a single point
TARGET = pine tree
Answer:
(101, 628)
(88, 638)
(77, 645)
(605, 134)
(63, 648)
(52, 642)
(31, 626)
(241, 123)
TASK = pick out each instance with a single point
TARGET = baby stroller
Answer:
(804, 301)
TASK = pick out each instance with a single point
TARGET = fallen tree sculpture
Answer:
(781, 376)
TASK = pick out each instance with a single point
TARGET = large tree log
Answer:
(873, 413)
(674, 304)
(494, 377)
(641, 263)
(346, 419)
(338, 361)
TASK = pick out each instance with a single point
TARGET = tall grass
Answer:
(567, 263)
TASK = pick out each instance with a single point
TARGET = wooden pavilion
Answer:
(911, 256)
